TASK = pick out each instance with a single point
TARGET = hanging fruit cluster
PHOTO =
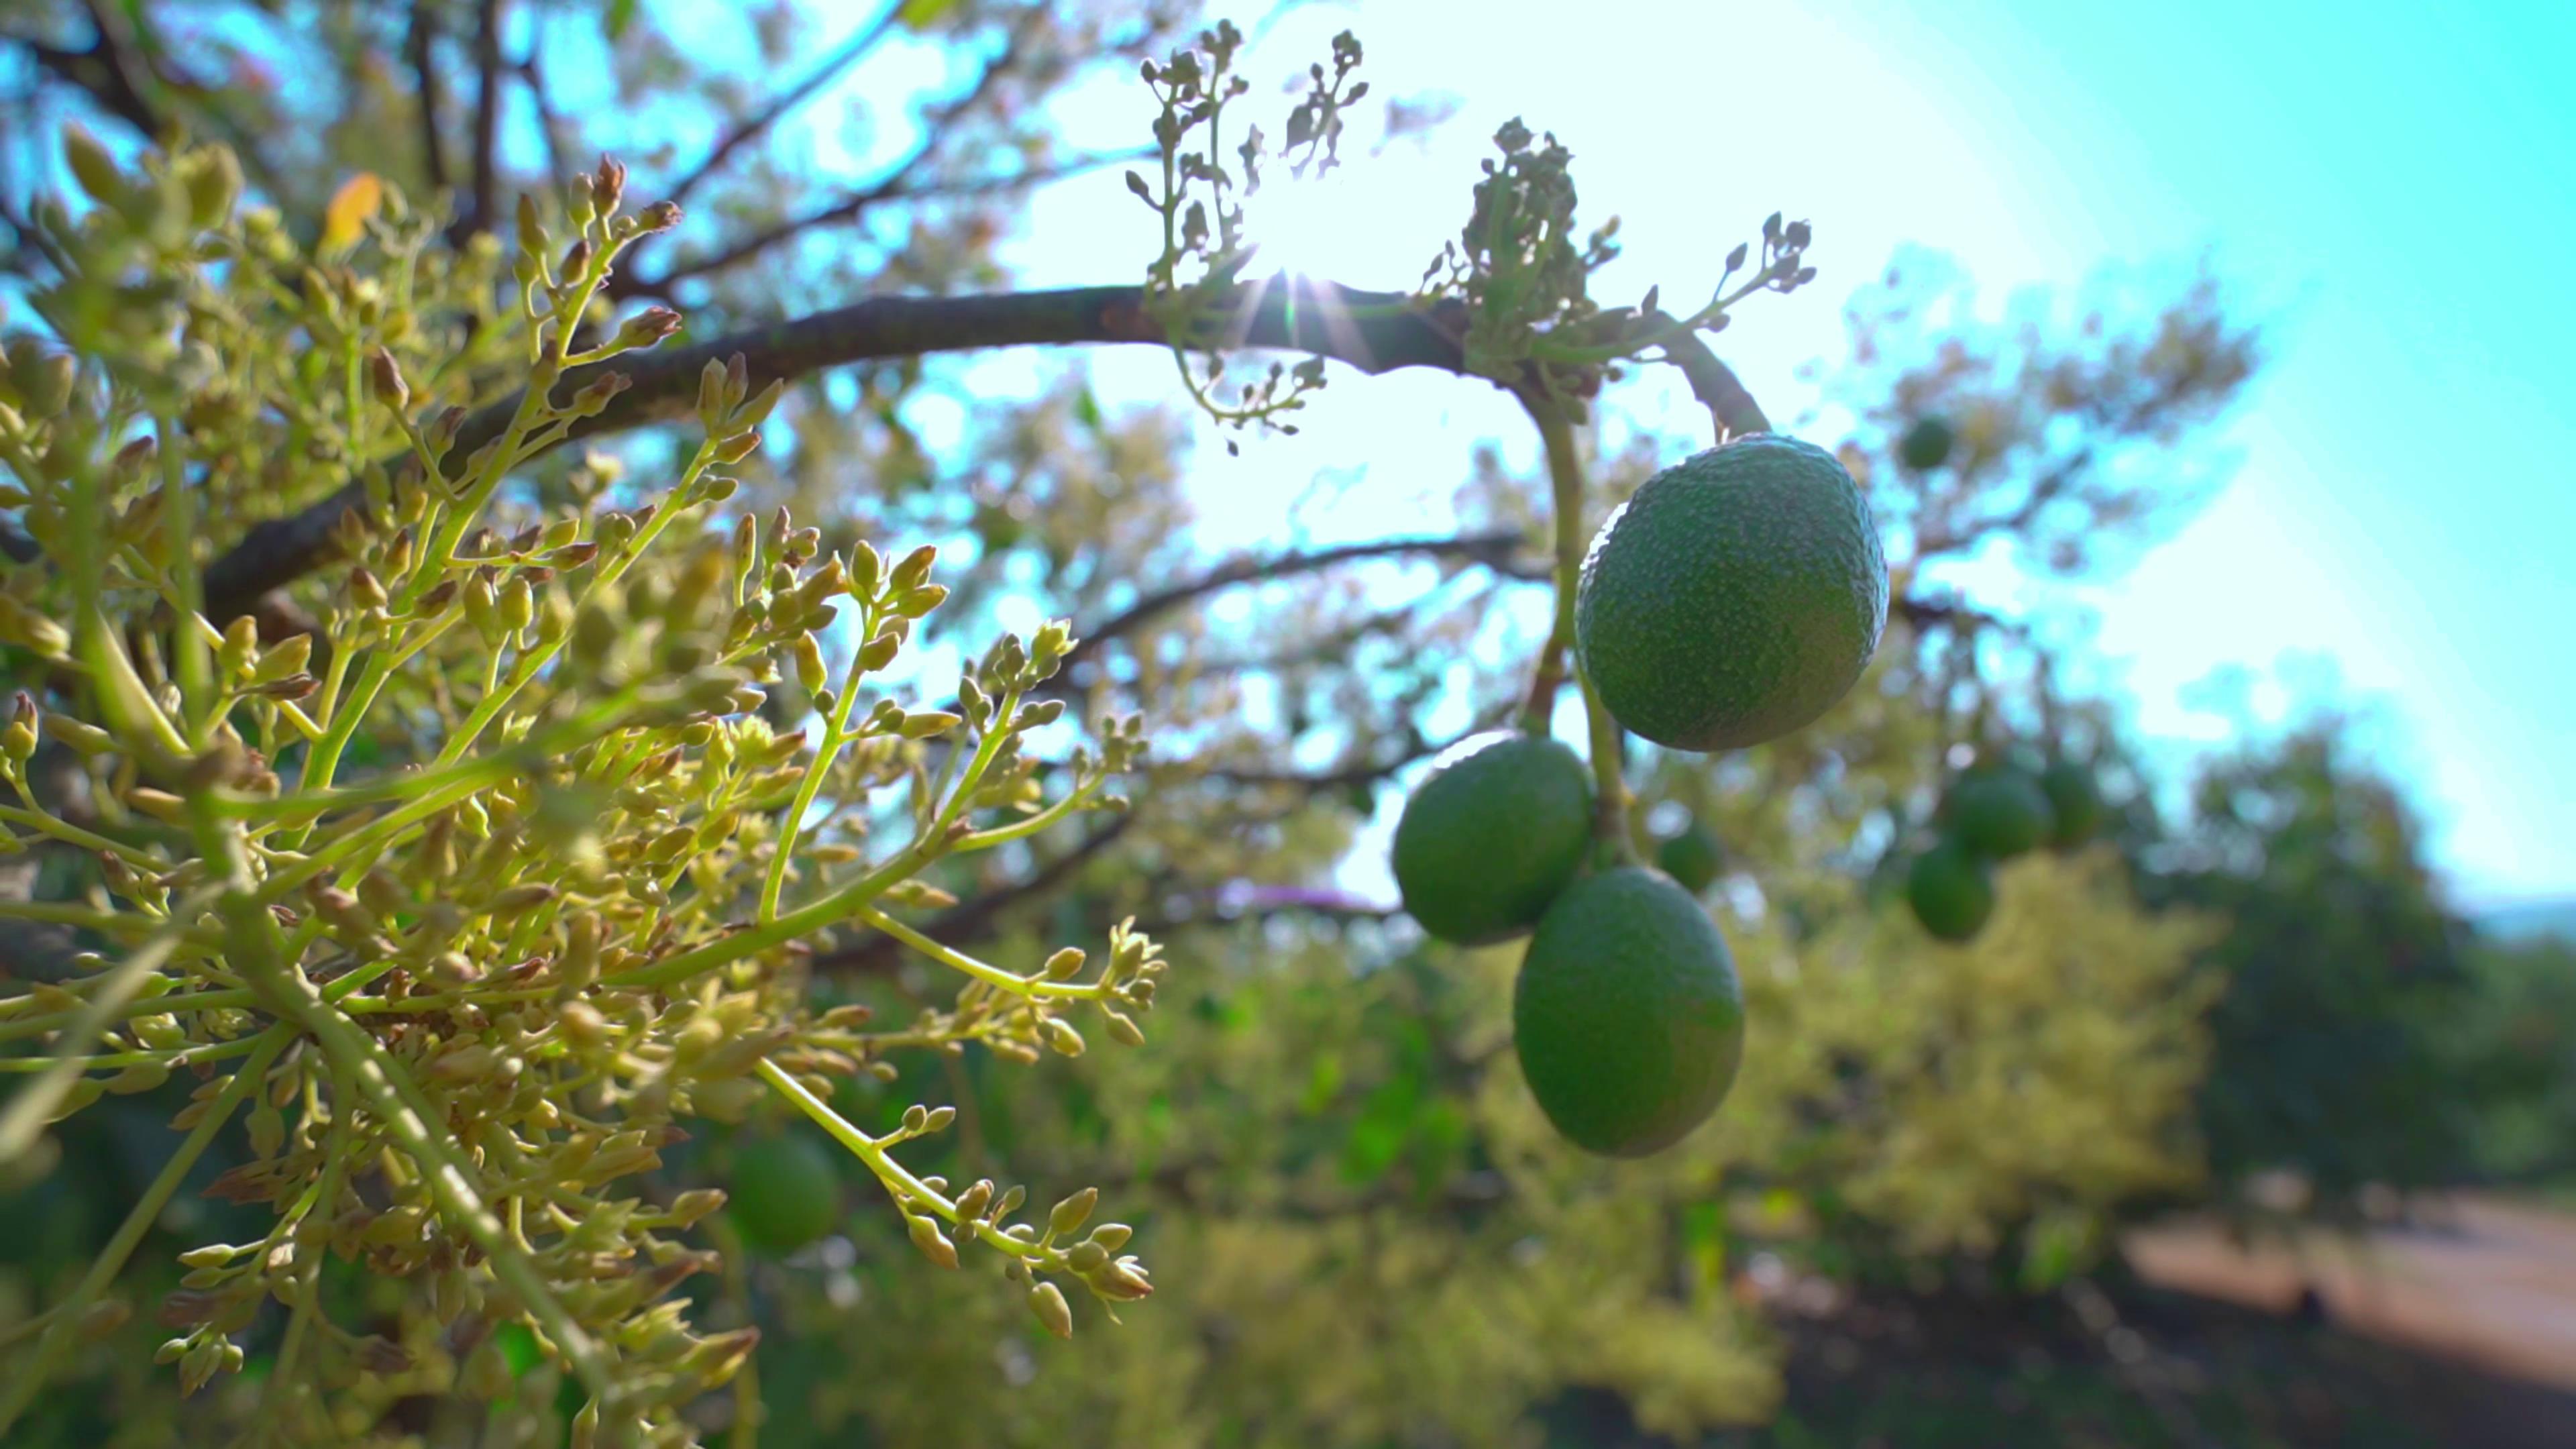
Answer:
(1732, 600)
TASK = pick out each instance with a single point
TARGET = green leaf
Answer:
(619, 15)
(518, 1348)
(920, 14)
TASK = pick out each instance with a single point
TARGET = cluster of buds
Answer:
(532, 885)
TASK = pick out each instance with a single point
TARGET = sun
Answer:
(1296, 230)
(1338, 227)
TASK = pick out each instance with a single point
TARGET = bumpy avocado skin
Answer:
(1734, 598)
(2000, 812)
(1492, 835)
(1627, 1016)
(1952, 892)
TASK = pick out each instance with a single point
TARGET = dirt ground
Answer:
(2487, 1283)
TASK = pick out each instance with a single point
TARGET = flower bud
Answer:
(1073, 1212)
(1047, 1302)
(914, 571)
(385, 379)
(933, 1244)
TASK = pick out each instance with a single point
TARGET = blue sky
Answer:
(2391, 194)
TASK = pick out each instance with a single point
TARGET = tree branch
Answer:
(106, 71)
(1493, 548)
(487, 121)
(1376, 332)
(891, 191)
(850, 53)
(549, 125)
(422, 44)
(895, 183)
(1714, 383)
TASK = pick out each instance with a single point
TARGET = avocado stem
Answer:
(1567, 487)
(1565, 479)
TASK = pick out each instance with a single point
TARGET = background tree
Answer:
(2342, 969)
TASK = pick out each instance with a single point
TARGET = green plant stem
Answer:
(309, 1291)
(1610, 785)
(1565, 478)
(610, 571)
(174, 1059)
(985, 749)
(835, 734)
(747, 1412)
(221, 1000)
(835, 906)
(1567, 487)
(147, 1209)
(33, 1104)
(898, 1180)
(71, 834)
(396, 1099)
(959, 960)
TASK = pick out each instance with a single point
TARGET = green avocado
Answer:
(784, 1191)
(1952, 891)
(1926, 445)
(1627, 1015)
(1999, 812)
(2074, 801)
(1734, 598)
(1492, 835)
(1692, 857)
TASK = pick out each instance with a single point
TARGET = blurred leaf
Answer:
(352, 207)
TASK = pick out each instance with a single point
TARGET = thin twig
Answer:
(851, 52)
(1493, 548)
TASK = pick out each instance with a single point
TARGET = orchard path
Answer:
(2483, 1281)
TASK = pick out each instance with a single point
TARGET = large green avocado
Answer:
(1627, 1015)
(2075, 803)
(1492, 835)
(1734, 598)
(1999, 811)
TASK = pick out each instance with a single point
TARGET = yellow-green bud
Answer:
(1060, 1035)
(1047, 1302)
(933, 1244)
(809, 664)
(1073, 1212)
(915, 569)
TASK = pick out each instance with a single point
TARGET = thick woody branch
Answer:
(486, 177)
(1376, 332)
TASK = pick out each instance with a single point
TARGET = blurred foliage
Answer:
(2343, 973)
(2514, 1052)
